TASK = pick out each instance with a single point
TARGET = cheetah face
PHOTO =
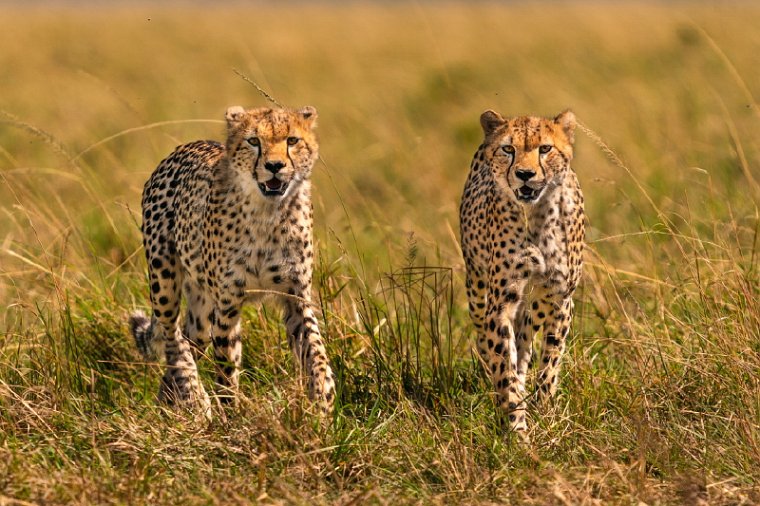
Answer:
(527, 154)
(272, 149)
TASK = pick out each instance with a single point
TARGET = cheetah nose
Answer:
(274, 167)
(524, 175)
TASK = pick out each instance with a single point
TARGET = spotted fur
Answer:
(522, 235)
(227, 225)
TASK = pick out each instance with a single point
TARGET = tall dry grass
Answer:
(659, 401)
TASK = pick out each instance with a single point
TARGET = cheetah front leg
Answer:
(308, 347)
(504, 295)
(556, 327)
(524, 334)
(492, 350)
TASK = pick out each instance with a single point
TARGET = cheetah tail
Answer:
(147, 342)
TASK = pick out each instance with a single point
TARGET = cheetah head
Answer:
(528, 154)
(275, 149)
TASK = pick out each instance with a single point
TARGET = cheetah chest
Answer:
(548, 229)
(267, 260)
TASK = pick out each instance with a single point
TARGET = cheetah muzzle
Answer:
(527, 194)
(274, 187)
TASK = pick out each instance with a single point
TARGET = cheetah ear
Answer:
(567, 121)
(234, 116)
(309, 115)
(490, 121)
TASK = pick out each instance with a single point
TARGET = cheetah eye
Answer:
(508, 149)
(292, 141)
(254, 141)
(544, 148)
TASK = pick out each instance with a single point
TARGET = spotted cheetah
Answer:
(227, 225)
(522, 234)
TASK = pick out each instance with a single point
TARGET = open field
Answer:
(660, 395)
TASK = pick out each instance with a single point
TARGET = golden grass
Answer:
(661, 398)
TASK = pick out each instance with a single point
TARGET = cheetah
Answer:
(522, 235)
(227, 225)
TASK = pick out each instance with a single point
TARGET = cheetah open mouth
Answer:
(527, 194)
(273, 187)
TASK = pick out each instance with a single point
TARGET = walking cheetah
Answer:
(522, 233)
(227, 225)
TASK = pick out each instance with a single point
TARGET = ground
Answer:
(660, 396)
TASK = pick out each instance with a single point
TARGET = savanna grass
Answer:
(660, 395)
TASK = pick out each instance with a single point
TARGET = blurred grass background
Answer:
(661, 397)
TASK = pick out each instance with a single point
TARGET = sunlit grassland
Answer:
(660, 399)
